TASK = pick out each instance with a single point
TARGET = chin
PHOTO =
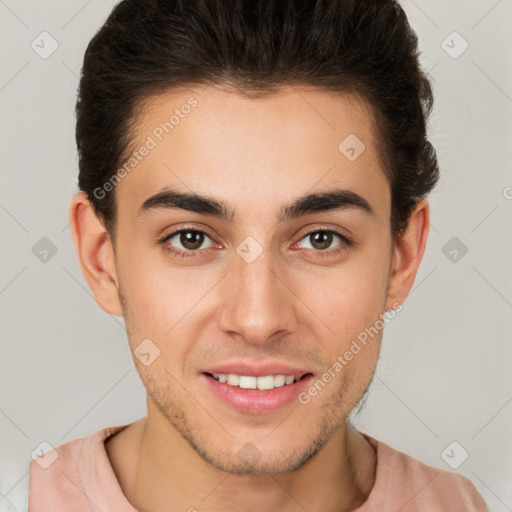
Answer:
(249, 461)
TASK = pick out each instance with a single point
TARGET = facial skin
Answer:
(300, 302)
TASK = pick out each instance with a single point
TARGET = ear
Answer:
(407, 254)
(95, 253)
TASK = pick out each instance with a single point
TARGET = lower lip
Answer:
(257, 401)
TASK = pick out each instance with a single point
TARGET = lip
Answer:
(252, 370)
(256, 401)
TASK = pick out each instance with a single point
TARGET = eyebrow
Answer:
(329, 200)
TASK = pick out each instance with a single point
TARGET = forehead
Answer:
(261, 151)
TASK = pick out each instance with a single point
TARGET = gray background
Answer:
(445, 370)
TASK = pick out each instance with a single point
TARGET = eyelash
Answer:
(345, 242)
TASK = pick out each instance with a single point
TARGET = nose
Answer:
(258, 303)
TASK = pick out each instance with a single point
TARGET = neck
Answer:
(158, 470)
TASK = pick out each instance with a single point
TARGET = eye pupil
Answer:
(191, 239)
(317, 240)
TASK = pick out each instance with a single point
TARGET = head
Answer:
(253, 181)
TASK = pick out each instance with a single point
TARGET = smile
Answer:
(256, 394)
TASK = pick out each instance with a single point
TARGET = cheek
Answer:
(154, 291)
(349, 298)
(167, 305)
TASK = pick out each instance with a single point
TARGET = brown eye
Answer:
(189, 240)
(322, 240)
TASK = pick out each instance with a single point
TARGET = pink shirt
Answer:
(82, 479)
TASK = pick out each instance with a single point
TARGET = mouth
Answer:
(259, 392)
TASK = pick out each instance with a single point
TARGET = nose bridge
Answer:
(257, 303)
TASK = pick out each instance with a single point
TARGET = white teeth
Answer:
(281, 380)
(233, 379)
(266, 382)
(247, 382)
(251, 382)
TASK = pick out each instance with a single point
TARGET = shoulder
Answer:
(59, 476)
(412, 486)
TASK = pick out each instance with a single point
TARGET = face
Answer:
(240, 283)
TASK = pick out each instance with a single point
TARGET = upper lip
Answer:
(258, 370)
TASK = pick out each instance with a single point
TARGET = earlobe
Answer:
(407, 254)
(95, 254)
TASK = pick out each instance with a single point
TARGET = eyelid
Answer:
(328, 228)
(200, 229)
